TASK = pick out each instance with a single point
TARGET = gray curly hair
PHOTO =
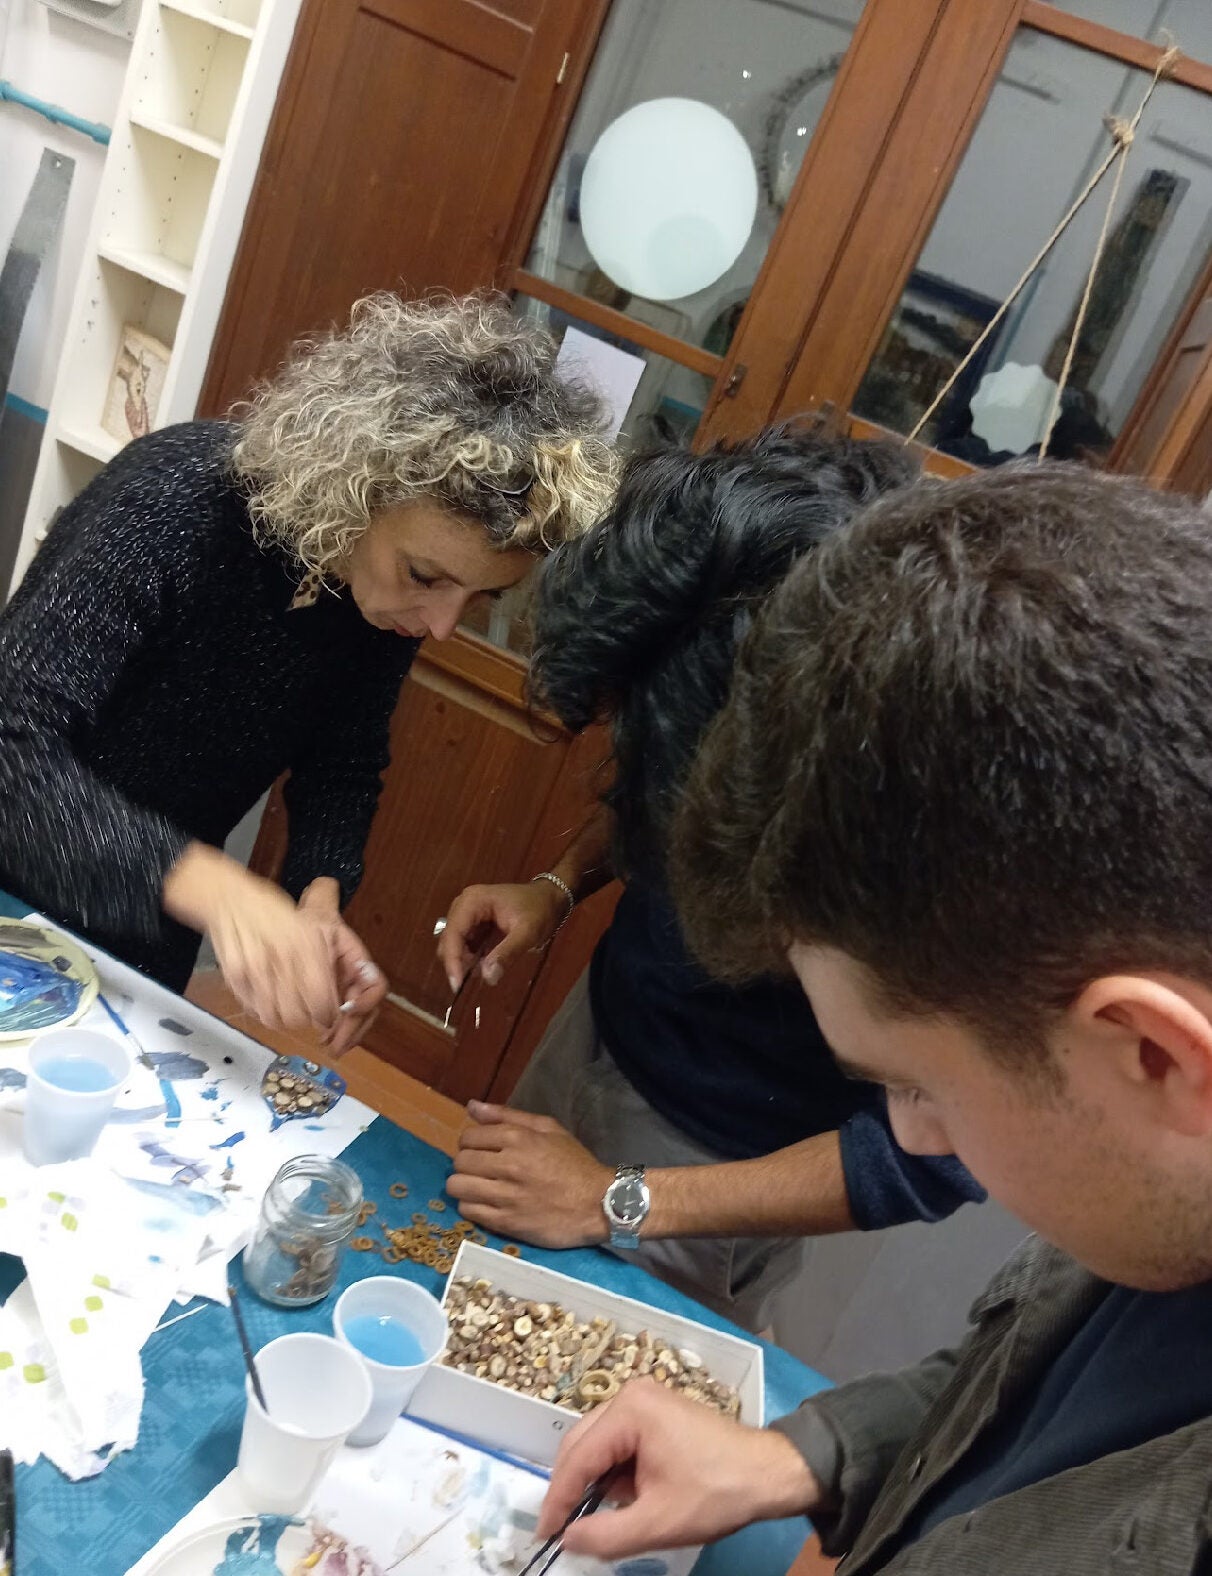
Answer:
(449, 398)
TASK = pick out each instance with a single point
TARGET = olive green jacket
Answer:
(881, 1444)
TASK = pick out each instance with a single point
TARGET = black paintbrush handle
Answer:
(249, 1361)
(8, 1517)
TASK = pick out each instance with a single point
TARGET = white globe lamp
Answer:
(668, 198)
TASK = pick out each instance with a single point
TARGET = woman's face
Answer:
(418, 568)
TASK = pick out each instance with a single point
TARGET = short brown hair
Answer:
(969, 744)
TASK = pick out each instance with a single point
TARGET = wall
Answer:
(883, 1299)
(77, 68)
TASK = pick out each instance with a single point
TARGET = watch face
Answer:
(629, 1199)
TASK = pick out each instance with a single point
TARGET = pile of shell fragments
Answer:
(540, 1349)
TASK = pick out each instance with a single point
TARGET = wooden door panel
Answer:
(463, 802)
(438, 828)
(404, 135)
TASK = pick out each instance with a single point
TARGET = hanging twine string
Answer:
(1123, 134)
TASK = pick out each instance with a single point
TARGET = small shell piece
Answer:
(597, 1386)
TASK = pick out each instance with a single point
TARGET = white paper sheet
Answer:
(614, 373)
(458, 1511)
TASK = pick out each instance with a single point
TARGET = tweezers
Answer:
(554, 1547)
(481, 951)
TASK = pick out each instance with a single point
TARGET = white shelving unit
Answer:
(187, 138)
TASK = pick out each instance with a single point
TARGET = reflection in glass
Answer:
(669, 400)
(767, 65)
(1040, 138)
(666, 408)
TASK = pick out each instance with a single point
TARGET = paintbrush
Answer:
(249, 1361)
(119, 1023)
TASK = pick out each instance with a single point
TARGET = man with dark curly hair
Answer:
(229, 601)
(963, 785)
(750, 1138)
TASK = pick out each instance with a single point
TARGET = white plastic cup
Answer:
(316, 1393)
(390, 1297)
(64, 1124)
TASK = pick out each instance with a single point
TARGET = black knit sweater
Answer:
(154, 682)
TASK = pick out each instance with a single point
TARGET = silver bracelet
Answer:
(556, 881)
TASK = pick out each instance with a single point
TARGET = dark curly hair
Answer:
(969, 744)
(637, 622)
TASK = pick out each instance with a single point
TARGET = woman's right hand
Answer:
(523, 915)
(275, 957)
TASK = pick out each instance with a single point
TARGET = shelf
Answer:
(93, 441)
(161, 197)
(148, 265)
(203, 13)
(210, 146)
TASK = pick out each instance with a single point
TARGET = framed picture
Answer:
(136, 384)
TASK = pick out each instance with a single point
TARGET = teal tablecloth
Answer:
(195, 1390)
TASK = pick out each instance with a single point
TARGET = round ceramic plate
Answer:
(30, 940)
(223, 1549)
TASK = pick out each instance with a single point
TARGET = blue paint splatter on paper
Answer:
(10, 1078)
(230, 1143)
(211, 1092)
(145, 1113)
(178, 1064)
(174, 1027)
(172, 1106)
(187, 1170)
(252, 1550)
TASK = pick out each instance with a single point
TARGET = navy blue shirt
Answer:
(1137, 1369)
(748, 1071)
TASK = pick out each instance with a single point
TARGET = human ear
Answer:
(1161, 1041)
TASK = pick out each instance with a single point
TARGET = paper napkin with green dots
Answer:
(103, 1259)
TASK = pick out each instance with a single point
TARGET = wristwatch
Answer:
(626, 1205)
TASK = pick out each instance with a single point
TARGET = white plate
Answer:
(206, 1553)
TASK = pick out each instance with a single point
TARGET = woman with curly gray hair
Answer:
(228, 601)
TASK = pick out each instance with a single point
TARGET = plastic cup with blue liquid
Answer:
(398, 1330)
(73, 1080)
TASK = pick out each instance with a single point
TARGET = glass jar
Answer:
(308, 1214)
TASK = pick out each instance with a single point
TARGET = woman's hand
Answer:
(686, 1475)
(524, 915)
(361, 984)
(276, 958)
